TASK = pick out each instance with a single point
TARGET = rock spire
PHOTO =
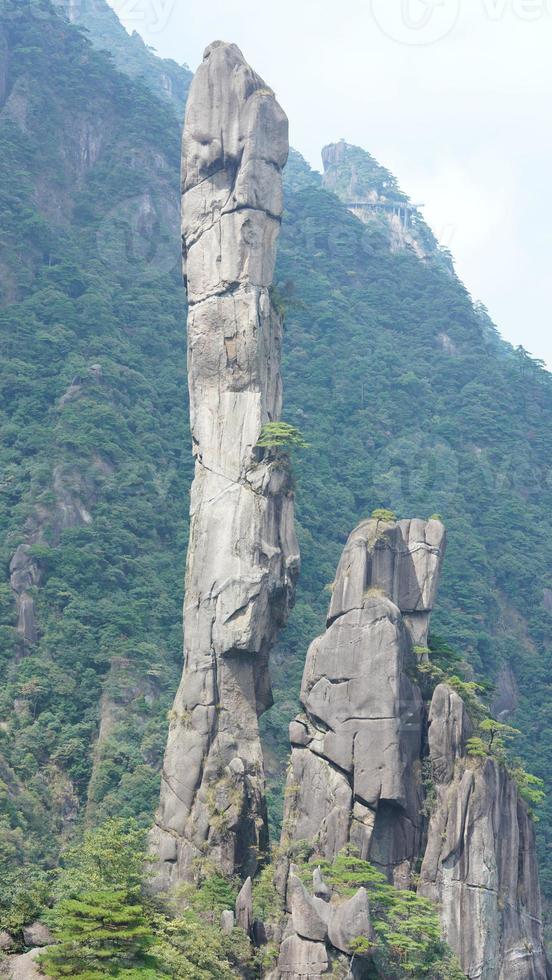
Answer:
(355, 758)
(243, 555)
(375, 768)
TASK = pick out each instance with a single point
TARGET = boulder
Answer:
(37, 934)
(306, 919)
(244, 907)
(349, 921)
(6, 941)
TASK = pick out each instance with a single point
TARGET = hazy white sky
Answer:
(453, 96)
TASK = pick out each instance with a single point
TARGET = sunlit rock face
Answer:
(356, 750)
(374, 767)
(243, 556)
(480, 861)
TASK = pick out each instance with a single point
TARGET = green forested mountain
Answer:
(403, 388)
(130, 54)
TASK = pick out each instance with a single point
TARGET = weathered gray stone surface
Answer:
(319, 886)
(307, 920)
(24, 576)
(227, 921)
(37, 934)
(356, 750)
(244, 907)
(355, 774)
(301, 959)
(480, 861)
(349, 921)
(243, 556)
(403, 559)
(449, 730)
(22, 967)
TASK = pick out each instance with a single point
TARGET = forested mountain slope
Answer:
(95, 462)
(130, 53)
(404, 390)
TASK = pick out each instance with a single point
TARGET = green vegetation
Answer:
(106, 927)
(410, 400)
(382, 514)
(24, 895)
(281, 437)
(102, 933)
(406, 926)
(98, 919)
(108, 600)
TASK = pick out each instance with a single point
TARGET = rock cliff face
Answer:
(480, 863)
(359, 751)
(355, 763)
(355, 775)
(243, 555)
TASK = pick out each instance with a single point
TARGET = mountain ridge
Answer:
(406, 393)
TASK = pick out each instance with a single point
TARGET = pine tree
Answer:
(99, 921)
(281, 436)
(99, 934)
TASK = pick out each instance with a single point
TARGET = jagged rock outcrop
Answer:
(243, 555)
(321, 932)
(358, 751)
(480, 862)
(355, 774)
(355, 762)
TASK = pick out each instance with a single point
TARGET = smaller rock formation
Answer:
(480, 861)
(320, 930)
(227, 922)
(356, 750)
(244, 907)
(24, 576)
(355, 774)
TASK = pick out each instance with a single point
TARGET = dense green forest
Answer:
(402, 387)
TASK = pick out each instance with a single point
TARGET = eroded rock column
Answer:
(355, 775)
(243, 556)
(356, 749)
(480, 861)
